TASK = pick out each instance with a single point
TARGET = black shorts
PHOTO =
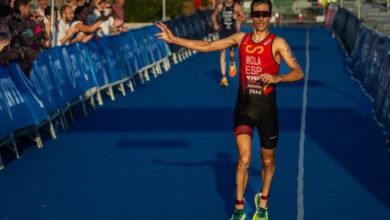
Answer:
(258, 111)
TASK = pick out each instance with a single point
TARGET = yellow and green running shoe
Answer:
(224, 82)
(238, 214)
(261, 213)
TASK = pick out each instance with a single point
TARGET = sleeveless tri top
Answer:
(228, 23)
(256, 59)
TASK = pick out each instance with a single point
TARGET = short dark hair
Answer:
(5, 10)
(48, 10)
(63, 8)
(78, 10)
(256, 2)
(19, 3)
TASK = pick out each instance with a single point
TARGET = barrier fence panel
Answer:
(98, 63)
(34, 103)
(369, 61)
(62, 76)
(110, 49)
(15, 104)
(88, 79)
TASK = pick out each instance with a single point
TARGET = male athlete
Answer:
(260, 55)
(231, 13)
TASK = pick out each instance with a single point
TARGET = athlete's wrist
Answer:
(279, 79)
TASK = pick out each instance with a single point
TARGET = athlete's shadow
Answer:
(214, 74)
(224, 168)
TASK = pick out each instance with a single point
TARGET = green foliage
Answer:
(150, 10)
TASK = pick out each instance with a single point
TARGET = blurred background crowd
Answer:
(27, 29)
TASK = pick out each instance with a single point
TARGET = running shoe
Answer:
(238, 214)
(224, 82)
(232, 70)
(261, 213)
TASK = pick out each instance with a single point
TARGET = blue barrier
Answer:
(130, 52)
(7, 125)
(88, 77)
(98, 62)
(62, 76)
(369, 61)
(14, 105)
(142, 54)
(382, 98)
(63, 73)
(34, 102)
(172, 25)
(346, 25)
(111, 58)
(379, 47)
(362, 61)
(350, 31)
(355, 55)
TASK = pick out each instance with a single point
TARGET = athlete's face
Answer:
(261, 22)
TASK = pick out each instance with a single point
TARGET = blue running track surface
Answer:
(167, 151)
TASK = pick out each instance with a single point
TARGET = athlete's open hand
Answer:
(268, 78)
(165, 33)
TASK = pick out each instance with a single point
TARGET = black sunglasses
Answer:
(258, 14)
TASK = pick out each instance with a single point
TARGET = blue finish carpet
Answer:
(167, 151)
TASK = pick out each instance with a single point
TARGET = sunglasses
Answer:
(259, 14)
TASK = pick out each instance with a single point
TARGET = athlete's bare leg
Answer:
(268, 170)
(244, 142)
(223, 62)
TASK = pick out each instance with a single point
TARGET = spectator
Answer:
(5, 40)
(64, 31)
(198, 5)
(211, 4)
(52, 34)
(11, 3)
(81, 2)
(72, 3)
(42, 5)
(102, 8)
(23, 7)
(119, 15)
(84, 31)
(118, 10)
(29, 36)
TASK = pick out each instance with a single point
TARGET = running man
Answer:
(231, 13)
(260, 55)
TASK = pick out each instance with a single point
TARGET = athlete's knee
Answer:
(244, 162)
(269, 164)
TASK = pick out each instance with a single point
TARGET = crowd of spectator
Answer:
(26, 30)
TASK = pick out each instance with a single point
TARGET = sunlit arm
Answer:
(199, 45)
(288, 56)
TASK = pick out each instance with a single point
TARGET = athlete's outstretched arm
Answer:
(295, 73)
(199, 45)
